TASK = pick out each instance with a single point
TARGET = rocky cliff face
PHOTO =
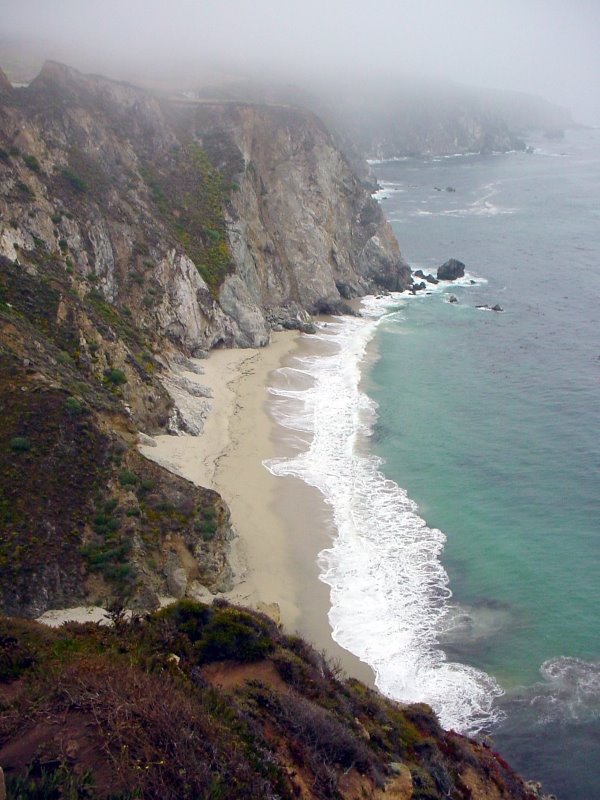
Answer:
(427, 125)
(384, 120)
(201, 255)
(135, 231)
(304, 233)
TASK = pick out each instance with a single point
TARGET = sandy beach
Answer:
(281, 523)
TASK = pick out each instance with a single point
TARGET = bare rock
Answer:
(177, 581)
(451, 270)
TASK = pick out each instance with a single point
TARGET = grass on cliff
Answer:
(200, 701)
(78, 501)
(189, 195)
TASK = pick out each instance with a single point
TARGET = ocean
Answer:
(459, 451)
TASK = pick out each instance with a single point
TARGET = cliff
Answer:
(270, 228)
(135, 231)
(394, 118)
(303, 231)
(411, 119)
(199, 701)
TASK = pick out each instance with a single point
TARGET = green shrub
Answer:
(164, 507)
(105, 525)
(127, 478)
(75, 181)
(3, 154)
(116, 376)
(63, 244)
(32, 163)
(206, 526)
(233, 634)
(15, 658)
(39, 782)
(22, 187)
(73, 406)
(20, 444)
(63, 357)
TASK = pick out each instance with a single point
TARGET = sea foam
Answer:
(389, 590)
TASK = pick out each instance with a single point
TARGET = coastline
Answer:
(281, 522)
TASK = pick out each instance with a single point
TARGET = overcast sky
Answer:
(548, 47)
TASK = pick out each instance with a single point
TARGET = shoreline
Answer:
(281, 522)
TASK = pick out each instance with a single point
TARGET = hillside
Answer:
(394, 118)
(135, 232)
(216, 702)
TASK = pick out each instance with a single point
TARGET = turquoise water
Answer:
(490, 421)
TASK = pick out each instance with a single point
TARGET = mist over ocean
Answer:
(459, 450)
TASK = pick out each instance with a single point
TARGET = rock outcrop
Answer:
(451, 270)
(5, 84)
(204, 220)
(303, 232)
(136, 231)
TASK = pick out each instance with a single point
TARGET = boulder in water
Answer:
(451, 270)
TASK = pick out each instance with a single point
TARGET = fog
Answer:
(546, 47)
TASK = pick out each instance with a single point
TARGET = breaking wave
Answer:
(389, 590)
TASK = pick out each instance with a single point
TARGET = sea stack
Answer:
(451, 270)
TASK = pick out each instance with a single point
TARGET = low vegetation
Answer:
(76, 498)
(189, 194)
(199, 701)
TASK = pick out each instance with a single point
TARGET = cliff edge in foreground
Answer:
(215, 702)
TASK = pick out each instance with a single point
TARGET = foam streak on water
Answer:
(389, 590)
